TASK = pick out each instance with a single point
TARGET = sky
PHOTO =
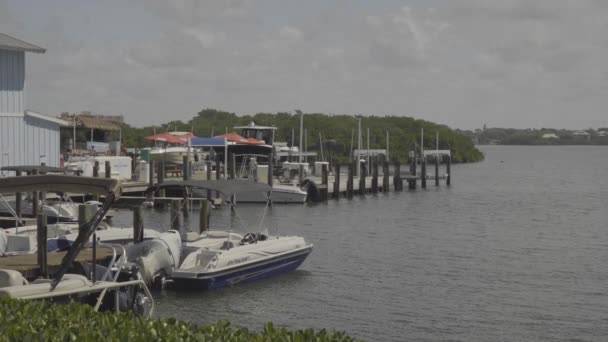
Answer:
(463, 63)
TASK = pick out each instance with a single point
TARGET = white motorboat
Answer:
(220, 258)
(281, 193)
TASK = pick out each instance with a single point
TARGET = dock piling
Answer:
(203, 224)
(41, 230)
(448, 179)
(437, 170)
(374, 165)
(349, 181)
(362, 175)
(96, 169)
(336, 181)
(324, 183)
(185, 167)
(18, 203)
(108, 169)
(35, 199)
(385, 176)
(423, 173)
(138, 225)
(176, 218)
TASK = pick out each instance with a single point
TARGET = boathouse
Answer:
(26, 137)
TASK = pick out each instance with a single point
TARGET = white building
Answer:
(26, 137)
(550, 136)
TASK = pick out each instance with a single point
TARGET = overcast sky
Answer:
(507, 63)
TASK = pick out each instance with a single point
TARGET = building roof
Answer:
(91, 121)
(14, 44)
(47, 118)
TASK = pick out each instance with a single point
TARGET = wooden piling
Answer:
(160, 172)
(208, 163)
(336, 181)
(138, 225)
(18, 202)
(436, 170)
(185, 167)
(448, 179)
(385, 176)
(349, 181)
(96, 169)
(218, 169)
(176, 218)
(35, 199)
(397, 182)
(362, 175)
(151, 173)
(324, 183)
(423, 173)
(41, 230)
(232, 168)
(374, 176)
(203, 224)
(108, 169)
(270, 168)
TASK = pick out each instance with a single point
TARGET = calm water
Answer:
(516, 249)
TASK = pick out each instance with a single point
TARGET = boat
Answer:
(115, 286)
(218, 258)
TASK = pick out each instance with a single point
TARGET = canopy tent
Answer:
(172, 137)
(239, 139)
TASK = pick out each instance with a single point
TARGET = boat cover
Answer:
(60, 183)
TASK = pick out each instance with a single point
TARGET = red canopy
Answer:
(172, 137)
(239, 139)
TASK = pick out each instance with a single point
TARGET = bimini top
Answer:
(226, 187)
(60, 183)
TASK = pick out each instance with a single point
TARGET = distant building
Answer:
(581, 134)
(602, 133)
(550, 136)
(26, 137)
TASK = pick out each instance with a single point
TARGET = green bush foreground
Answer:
(42, 321)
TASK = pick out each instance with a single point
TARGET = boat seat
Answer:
(70, 282)
(11, 278)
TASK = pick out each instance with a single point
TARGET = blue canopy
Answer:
(207, 141)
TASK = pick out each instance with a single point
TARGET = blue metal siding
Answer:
(12, 81)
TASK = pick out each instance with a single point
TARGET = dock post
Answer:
(203, 224)
(208, 164)
(337, 181)
(185, 167)
(436, 169)
(96, 169)
(108, 169)
(411, 183)
(362, 175)
(385, 176)
(217, 169)
(160, 172)
(270, 175)
(35, 198)
(374, 165)
(349, 181)
(151, 173)
(175, 216)
(42, 244)
(232, 168)
(448, 179)
(18, 203)
(324, 182)
(138, 225)
(397, 182)
(423, 173)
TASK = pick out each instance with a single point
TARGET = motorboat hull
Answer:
(280, 194)
(264, 268)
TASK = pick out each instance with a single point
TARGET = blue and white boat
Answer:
(218, 258)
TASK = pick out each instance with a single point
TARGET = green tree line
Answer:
(335, 131)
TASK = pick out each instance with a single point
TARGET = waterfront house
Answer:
(26, 137)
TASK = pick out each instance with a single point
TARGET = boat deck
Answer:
(28, 264)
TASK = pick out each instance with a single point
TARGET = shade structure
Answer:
(239, 139)
(207, 142)
(172, 137)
